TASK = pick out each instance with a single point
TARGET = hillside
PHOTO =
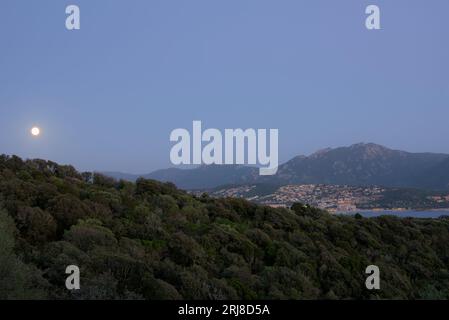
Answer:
(149, 240)
(364, 164)
(360, 164)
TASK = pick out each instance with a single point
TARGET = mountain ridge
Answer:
(357, 164)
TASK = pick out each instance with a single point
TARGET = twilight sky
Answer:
(107, 96)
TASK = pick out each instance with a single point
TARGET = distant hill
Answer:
(359, 164)
(121, 175)
(205, 176)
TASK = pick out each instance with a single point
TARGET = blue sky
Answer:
(108, 96)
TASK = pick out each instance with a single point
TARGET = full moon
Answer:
(35, 131)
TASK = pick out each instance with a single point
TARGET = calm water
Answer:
(402, 214)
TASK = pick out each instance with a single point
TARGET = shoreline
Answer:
(405, 210)
(395, 210)
(429, 213)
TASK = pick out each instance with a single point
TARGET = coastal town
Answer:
(334, 198)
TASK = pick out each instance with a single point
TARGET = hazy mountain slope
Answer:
(205, 176)
(437, 177)
(121, 175)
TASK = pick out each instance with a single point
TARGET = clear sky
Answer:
(108, 96)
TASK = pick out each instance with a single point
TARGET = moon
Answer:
(35, 131)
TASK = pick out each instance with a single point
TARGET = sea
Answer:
(401, 213)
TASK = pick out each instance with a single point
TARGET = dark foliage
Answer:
(149, 240)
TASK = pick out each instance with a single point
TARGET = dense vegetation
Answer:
(148, 240)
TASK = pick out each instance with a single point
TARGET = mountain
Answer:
(359, 164)
(363, 164)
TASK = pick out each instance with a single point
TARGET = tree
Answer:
(17, 280)
(36, 225)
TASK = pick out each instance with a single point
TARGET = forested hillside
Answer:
(149, 240)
